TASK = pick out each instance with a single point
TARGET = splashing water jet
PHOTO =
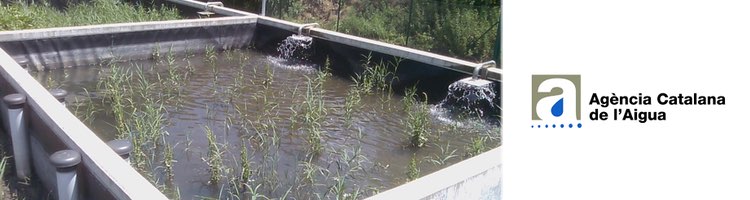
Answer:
(291, 44)
(474, 96)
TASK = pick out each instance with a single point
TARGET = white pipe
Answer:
(480, 66)
(18, 134)
(263, 9)
(66, 161)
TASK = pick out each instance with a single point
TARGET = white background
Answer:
(627, 47)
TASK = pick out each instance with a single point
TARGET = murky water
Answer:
(249, 100)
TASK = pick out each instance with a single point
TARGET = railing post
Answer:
(263, 10)
(66, 161)
(59, 94)
(17, 131)
(122, 147)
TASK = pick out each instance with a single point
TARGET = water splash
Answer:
(292, 54)
(473, 98)
(306, 68)
(291, 44)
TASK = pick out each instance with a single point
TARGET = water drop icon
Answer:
(557, 108)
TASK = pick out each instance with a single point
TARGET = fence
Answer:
(467, 29)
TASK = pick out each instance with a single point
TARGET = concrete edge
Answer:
(364, 43)
(32, 34)
(215, 9)
(386, 48)
(123, 181)
(428, 185)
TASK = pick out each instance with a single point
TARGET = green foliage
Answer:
(214, 156)
(286, 9)
(458, 28)
(464, 33)
(19, 16)
(14, 17)
(477, 146)
(314, 109)
(383, 24)
(412, 172)
(418, 120)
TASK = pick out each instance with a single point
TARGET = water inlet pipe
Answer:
(480, 66)
(208, 10)
(19, 136)
(303, 26)
(66, 161)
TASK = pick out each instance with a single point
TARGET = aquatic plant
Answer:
(156, 53)
(174, 77)
(477, 146)
(246, 170)
(314, 110)
(168, 160)
(412, 172)
(417, 123)
(84, 108)
(213, 156)
(113, 89)
(352, 102)
(310, 171)
(445, 154)
(211, 59)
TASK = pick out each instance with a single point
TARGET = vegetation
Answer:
(413, 171)
(314, 109)
(458, 28)
(5, 192)
(252, 108)
(418, 119)
(214, 156)
(20, 15)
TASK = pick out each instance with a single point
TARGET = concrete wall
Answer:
(54, 124)
(479, 177)
(102, 173)
(85, 45)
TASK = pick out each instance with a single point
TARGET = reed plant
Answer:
(476, 146)
(339, 191)
(168, 160)
(214, 157)
(113, 87)
(84, 108)
(352, 102)
(445, 155)
(376, 76)
(5, 193)
(417, 124)
(211, 58)
(156, 53)
(413, 171)
(314, 109)
(245, 159)
(174, 76)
